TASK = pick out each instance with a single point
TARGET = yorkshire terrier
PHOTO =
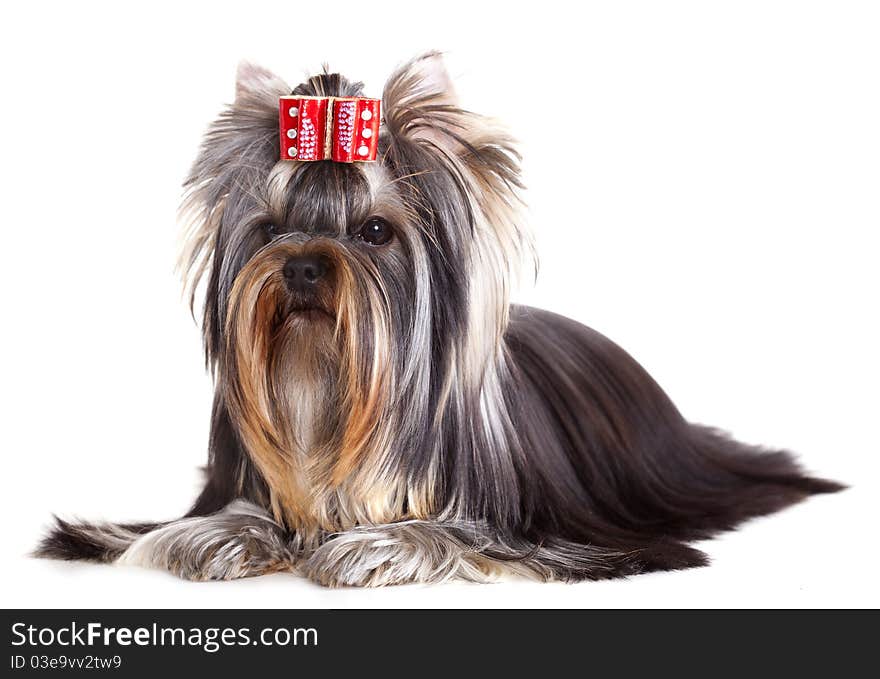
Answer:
(382, 413)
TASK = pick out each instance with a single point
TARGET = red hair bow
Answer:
(343, 129)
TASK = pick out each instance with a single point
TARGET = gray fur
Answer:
(413, 425)
(241, 541)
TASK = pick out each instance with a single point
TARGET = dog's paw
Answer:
(358, 560)
(239, 542)
(394, 554)
(230, 561)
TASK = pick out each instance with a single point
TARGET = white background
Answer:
(709, 200)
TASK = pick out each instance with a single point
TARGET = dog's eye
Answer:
(376, 231)
(270, 229)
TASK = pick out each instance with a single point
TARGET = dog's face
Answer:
(346, 305)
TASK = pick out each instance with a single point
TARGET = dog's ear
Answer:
(420, 103)
(422, 81)
(255, 82)
(428, 133)
(238, 150)
(421, 106)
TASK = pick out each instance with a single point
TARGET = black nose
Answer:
(304, 271)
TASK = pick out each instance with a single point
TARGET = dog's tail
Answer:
(730, 481)
(84, 541)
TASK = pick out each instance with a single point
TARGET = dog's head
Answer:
(372, 292)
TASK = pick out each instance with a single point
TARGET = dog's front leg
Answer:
(240, 541)
(398, 553)
(434, 551)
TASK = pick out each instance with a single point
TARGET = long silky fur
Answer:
(417, 426)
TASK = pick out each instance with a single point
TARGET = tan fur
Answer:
(315, 486)
(329, 477)
(254, 304)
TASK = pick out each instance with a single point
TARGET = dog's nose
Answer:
(304, 271)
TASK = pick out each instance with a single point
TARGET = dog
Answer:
(383, 414)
